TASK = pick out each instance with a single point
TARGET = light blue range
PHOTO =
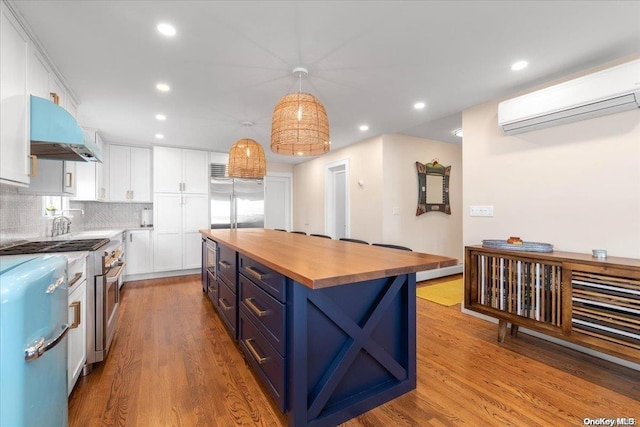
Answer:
(33, 344)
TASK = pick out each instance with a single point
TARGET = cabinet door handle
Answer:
(131, 195)
(224, 264)
(224, 304)
(255, 273)
(34, 165)
(69, 182)
(260, 359)
(257, 310)
(76, 314)
(73, 281)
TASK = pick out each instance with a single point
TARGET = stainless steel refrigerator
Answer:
(237, 203)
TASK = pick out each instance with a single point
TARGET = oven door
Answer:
(107, 311)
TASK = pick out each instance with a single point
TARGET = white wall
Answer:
(576, 186)
(431, 232)
(365, 163)
(386, 167)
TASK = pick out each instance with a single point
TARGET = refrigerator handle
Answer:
(39, 346)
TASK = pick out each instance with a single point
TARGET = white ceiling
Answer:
(368, 61)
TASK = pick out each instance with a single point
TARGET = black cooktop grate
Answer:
(54, 246)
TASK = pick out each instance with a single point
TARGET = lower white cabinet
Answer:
(139, 252)
(177, 221)
(77, 337)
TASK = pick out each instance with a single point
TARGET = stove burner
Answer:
(55, 246)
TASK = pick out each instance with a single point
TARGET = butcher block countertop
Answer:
(319, 263)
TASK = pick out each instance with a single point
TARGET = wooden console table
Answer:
(572, 296)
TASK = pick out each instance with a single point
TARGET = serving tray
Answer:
(524, 247)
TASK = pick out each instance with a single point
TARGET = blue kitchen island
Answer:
(328, 326)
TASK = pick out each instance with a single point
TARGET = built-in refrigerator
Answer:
(33, 342)
(237, 203)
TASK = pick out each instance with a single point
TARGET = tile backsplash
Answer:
(21, 216)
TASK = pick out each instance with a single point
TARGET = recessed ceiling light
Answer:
(364, 127)
(163, 87)
(161, 117)
(167, 29)
(419, 105)
(159, 136)
(300, 153)
(520, 65)
(458, 133)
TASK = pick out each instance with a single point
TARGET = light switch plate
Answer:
(481, 211)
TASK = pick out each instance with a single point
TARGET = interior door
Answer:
(277, 202)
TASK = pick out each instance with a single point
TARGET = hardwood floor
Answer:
(172, 363)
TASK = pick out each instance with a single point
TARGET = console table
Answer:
(572, 296)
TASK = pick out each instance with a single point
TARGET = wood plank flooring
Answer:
(172, 363)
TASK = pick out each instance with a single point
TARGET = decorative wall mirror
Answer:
(433, 188)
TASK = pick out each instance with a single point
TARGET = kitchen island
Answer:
(328, 326)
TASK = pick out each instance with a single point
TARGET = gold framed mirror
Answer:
(433, 188)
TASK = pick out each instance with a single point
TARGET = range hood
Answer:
(55, 134)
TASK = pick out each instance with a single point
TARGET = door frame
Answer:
(329, 196)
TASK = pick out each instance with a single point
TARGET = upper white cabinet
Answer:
(90, 181)
(177, 170)
(54, 177)
(129, 174)
(14, 100)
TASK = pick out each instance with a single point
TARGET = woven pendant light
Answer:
(246, 158)
(299, 126)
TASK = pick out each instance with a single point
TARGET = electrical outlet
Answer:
(481, 211)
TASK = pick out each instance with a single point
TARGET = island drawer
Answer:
(267, 313)
(227, 264)
(227, 306)
(264, 359)
(268, 279)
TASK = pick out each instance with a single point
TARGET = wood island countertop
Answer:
(319, 263)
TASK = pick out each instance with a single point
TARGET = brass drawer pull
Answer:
(258, 312)
(224, 305)
(224, 264)
(260, 359)
(255, 273)
(76, 314)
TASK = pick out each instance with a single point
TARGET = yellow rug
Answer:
(447, 293)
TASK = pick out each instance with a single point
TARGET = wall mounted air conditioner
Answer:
(608, 91)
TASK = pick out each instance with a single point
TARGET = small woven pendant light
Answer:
(246, 158)
(299, 126)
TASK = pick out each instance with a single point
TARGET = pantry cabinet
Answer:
(129, 174)
(177, 221)
(177, 170)
(15, 165)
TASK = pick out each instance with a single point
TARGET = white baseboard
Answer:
(563, 343)
(160, 275)
(438, 272)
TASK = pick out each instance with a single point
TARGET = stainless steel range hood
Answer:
(55, 134)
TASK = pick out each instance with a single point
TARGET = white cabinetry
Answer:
(54, 177)
(90, 181)
(129, 174)
(177, 170)
(77, 337)
(178, 217)
(181, 207)
(139, 252)
(14, 105)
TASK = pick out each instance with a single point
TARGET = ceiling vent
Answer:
(609, 91)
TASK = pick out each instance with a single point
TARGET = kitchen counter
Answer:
(328, 326)
(317, 262)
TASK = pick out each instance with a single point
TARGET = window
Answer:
(53, 205)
